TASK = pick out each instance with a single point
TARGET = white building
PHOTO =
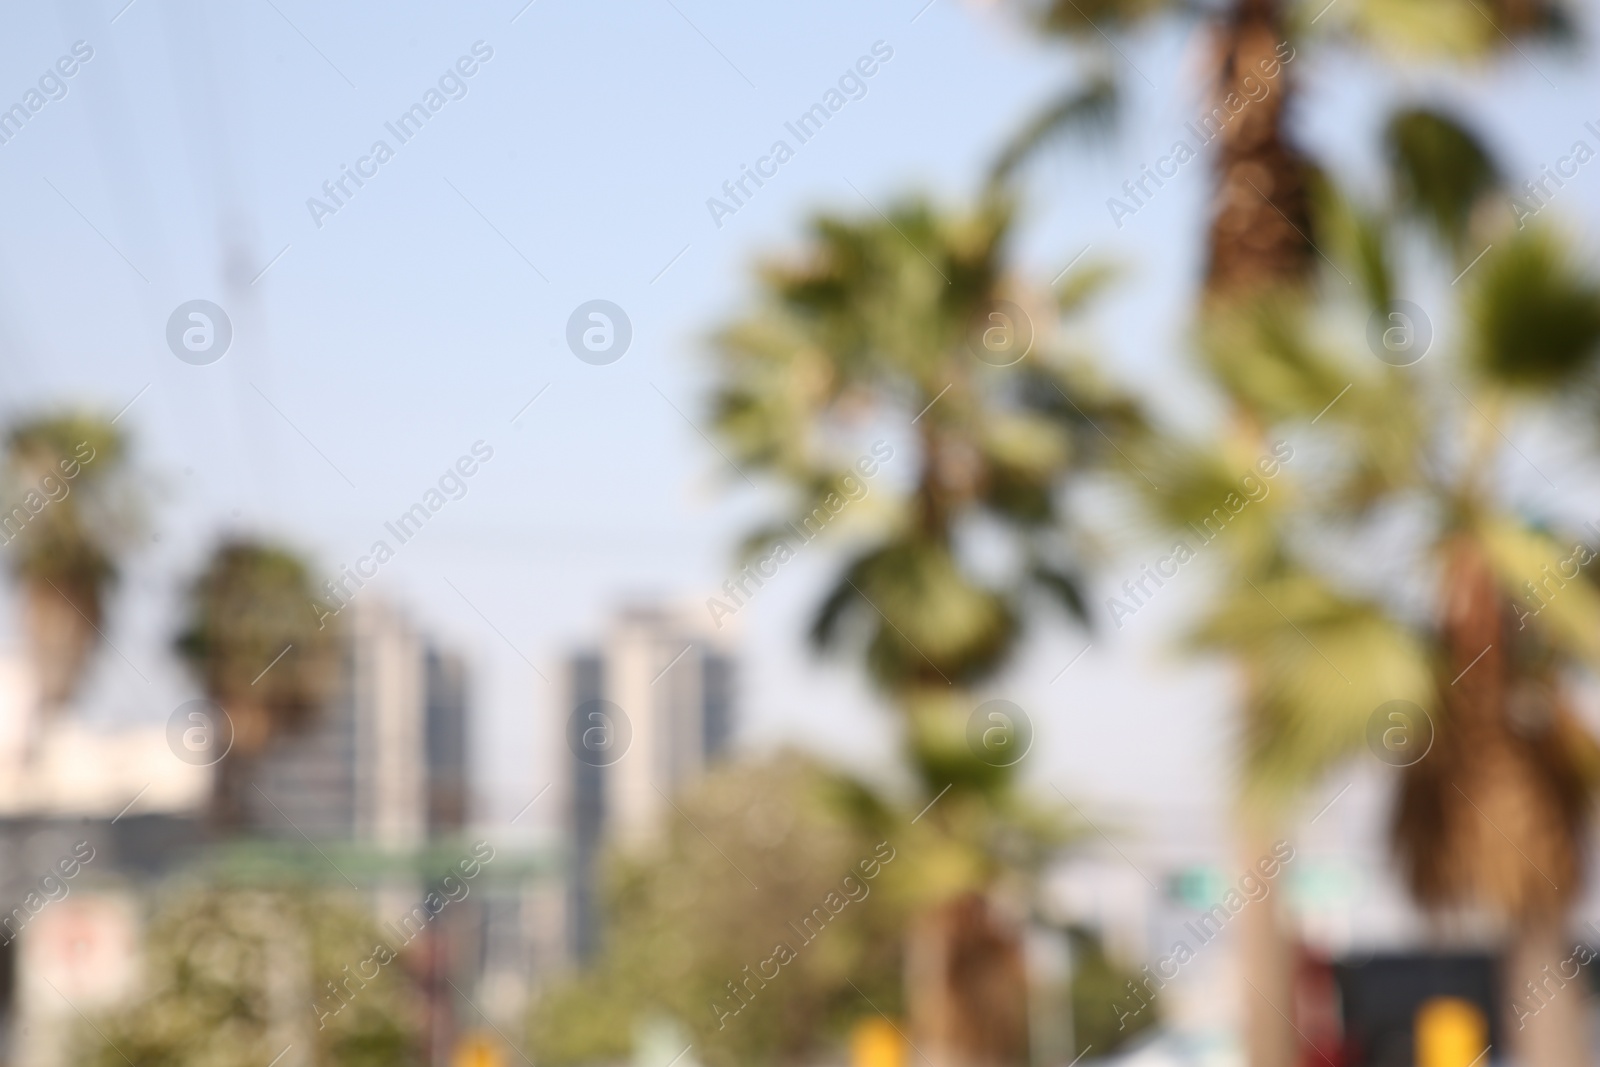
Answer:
(644, 715)
(386, 762)
(86, 802)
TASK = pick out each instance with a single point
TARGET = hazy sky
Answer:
(425, 313)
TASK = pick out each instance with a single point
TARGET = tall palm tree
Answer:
(1259, 242)
(1490, 823)
(254, 642)
(1262, 232)
(1314, 657)
(910, 324)
(1493, 822)
(68, 512)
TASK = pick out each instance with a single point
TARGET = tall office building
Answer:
(385, 765)
(674, 689)
(386, 761)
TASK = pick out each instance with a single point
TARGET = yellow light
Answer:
(1450, 1032)
(477, 1050)
(874, 1042)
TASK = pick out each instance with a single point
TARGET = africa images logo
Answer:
(199, 332)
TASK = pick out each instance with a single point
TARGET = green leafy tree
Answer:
(690, 935)
(1098, 986)
(69, 508)
(251, 605)
(912, 320)
(232, 977)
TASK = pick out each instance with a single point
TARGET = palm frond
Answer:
(1083, 284)
(1317, 665)
(1458, 30)
(1543, 580)
(1440, 170)
(1534, 313)
(1266, 355)
(1086, 111)
(1065, 587)
(1356, 238)
(926, 622)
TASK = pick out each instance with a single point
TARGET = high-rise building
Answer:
(657, 696)
(386, 761)
(385, 765)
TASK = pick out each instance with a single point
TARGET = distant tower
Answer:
(445, 740)
(675, 686)
(385, 762)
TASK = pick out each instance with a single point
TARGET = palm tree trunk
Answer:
(1546, 997)
(233, 789)
(1260, 234)
(1259, 238)
(61, 635)
(1495, 816)
(1266, 960)
(966, 986)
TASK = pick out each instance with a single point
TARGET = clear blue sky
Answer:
(425, 313)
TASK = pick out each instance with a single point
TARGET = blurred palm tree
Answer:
(1494, 820)
(68, 512)
(1465, 622)
(1262, 241)
(909, 324)
(254, 642)
(1261, 230)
